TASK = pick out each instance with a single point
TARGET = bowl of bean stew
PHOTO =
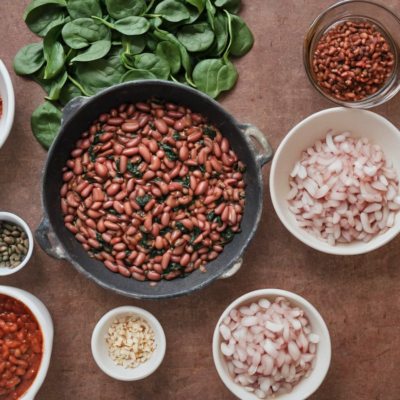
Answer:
(350, 54)
(152, 184)
(26, 340)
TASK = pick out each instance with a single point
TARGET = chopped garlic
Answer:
(130, 341)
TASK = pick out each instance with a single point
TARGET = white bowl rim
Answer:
(306, 238)
(271, 292)
(9, 117)
(47, 334)
(18, 221)
(153, 322)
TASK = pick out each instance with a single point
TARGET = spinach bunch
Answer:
(90, 45)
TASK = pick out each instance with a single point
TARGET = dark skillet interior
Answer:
(60, 153)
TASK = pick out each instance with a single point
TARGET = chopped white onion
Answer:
(344, 189)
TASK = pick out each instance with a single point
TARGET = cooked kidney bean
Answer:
(352, 61)
(21, 348)
(152, 202)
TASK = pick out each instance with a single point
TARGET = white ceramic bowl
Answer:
(7, 95)
(307, 386)
(100, 350)
(15, 220)
(43, 317)
(361, 124)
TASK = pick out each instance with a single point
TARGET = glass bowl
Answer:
(384, 20)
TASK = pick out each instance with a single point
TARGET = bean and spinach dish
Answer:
(153, 190)
(21, 348)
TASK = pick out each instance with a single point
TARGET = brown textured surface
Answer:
(357, 296)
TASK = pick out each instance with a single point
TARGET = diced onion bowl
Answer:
(360, 123)
(307, 386)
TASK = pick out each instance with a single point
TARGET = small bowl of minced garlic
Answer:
(128, 343)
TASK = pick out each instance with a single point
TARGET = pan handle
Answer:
(71, 107)
(48, 241)
(267, 153)
(232, 271)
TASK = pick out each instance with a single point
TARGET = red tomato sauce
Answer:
(21, 348)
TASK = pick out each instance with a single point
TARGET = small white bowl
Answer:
(361, 124)
(7, 95)
(307, 386)
(43, 317)
(15, 220)
(100, 350)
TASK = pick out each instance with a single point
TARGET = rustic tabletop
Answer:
(358, 296)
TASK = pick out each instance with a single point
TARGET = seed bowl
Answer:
(360, 123)
(15, 220)
(384, 20)
(307, 386)
(100, 350)
(7, 95)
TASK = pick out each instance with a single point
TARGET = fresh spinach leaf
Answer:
(200, 4)
(53, 52)
(242, 38)
(196, 37)
(151, 41)
(172, 10)
(120, 9)
(38, 77)
(29, 59)
(210, 13)
(137, 75)
(186, 62)
(82, 32)
(68, 92)
(170, 52)
(214, 76)
(96, 51)
(41, 15)
(45, 123)
(56, 86)
(95, 76)
(154, 64)
(232, 6)
(221, 34)
(210, 216)
(84, 8)
(132, 25)
(133, 44)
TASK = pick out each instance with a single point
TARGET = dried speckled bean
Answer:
(13, 246)
(149, 200)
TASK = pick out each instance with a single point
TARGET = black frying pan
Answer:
(60, 243)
